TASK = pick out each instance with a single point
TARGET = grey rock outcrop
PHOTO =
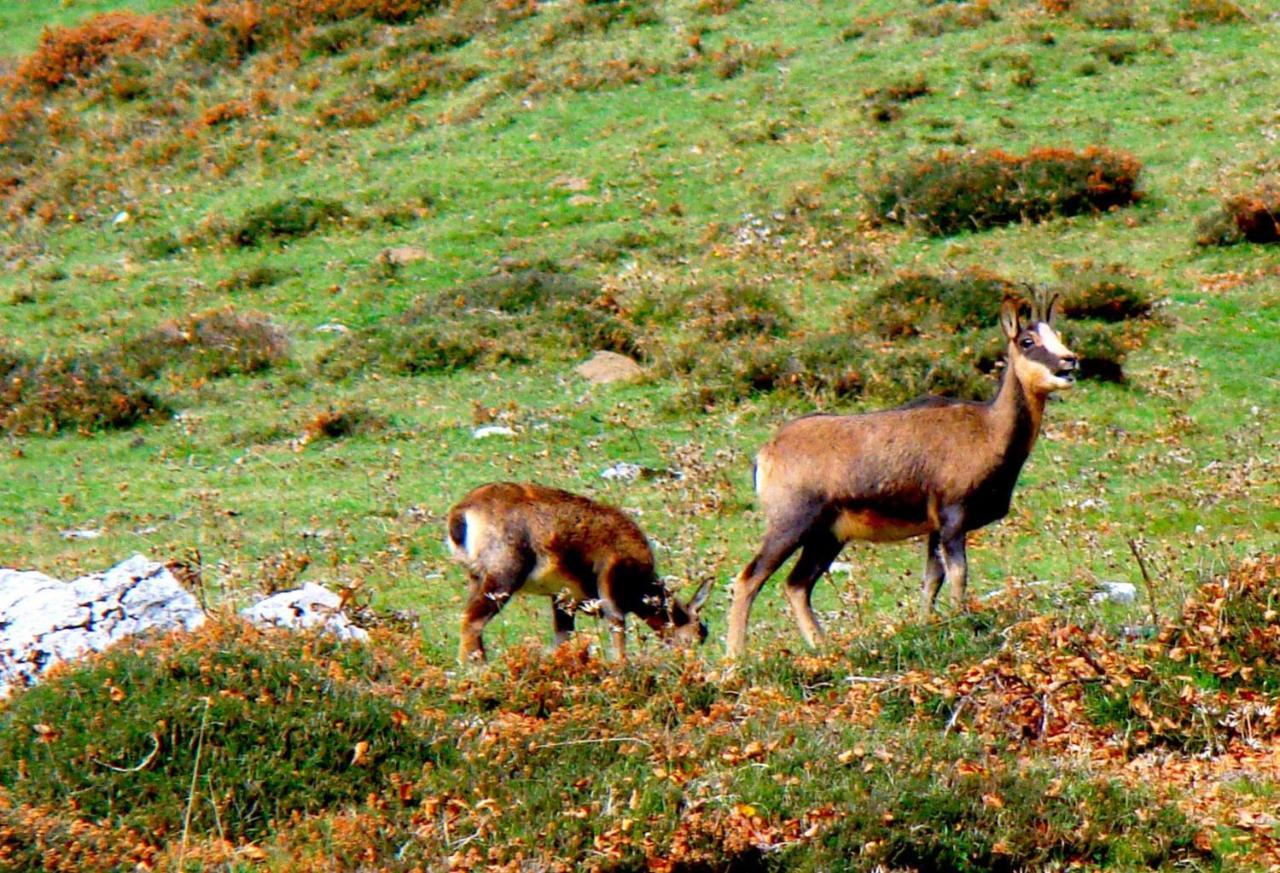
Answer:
(311, 606)
(44, 621)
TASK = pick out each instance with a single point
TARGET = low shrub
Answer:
(416, 349)
(723, 312)
(271, 720)
(952, 192)
(70, 392)
(1193, 13)
(1211, 674)
(1249, 217)
(253, 278)
(283, 219)
(339, 422)
(1103, 294)
(830, 365)
(926, 367)
(917, 302)
(212, 344)
(1101, 348)
(1108, 14)
(68, 54)
(519, 290)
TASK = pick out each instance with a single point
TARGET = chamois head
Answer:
(682, 625)
(1037, 356)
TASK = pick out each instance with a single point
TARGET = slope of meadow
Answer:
(267, 268)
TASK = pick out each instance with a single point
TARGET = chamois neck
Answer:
(1015, 413)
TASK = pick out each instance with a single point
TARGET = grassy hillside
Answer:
(266, 272)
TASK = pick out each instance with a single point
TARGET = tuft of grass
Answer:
(952, 192)
(60, 392)
(212, 344)
(283, 219)
(722, 312)
(255, 277)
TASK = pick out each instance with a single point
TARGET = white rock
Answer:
(311, 606)
(333, 327)
(492, 430)
(624, 470)
(44, 621)
(1116, 592)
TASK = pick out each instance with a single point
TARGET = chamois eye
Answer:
(1027, 342)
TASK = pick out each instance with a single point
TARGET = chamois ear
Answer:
(701, 596)
(1009, 317)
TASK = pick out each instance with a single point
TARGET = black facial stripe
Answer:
(1038, 353)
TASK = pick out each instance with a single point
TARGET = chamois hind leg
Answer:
(561, 620)
(933, 573)
(815, 559)
(488, 596)
(956, 566)
(780, 541)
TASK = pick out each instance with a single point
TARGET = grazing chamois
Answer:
(526, 539)
(936, 467)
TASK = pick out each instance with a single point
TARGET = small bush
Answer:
(1193, 13)
(60, 392)
(1250, 217)
(273, 721)
(416, 349)
(343, 421)
(253, 278)
(67, 54)
(827, 364)
(283, 219)
(923, 368)
(159, 247)
(917, 302)
(516, 291)
(953, 192)
(1104, 294)
(722, 312)
(1116, 52)
(212, 344)
(1101, 348)
(1108, 14)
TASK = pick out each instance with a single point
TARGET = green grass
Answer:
(650, 167)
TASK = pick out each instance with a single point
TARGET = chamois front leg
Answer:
(488, 596)
(815, 559)
(561, 620)
(933, 573)
(612, 614)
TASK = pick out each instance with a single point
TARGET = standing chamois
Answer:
(936, 466)
(527, 539)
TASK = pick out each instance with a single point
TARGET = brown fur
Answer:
(524, 538)
(935, 467)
